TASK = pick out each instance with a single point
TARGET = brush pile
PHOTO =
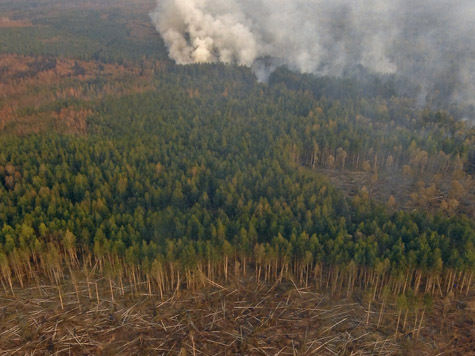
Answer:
(239, 318)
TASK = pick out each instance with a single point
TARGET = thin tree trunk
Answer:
(469, 283)
(420, 324)
(397, 323)
(381, 313)
(112, 292)
(369, 311)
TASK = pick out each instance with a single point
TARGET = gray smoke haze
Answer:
(429, 41)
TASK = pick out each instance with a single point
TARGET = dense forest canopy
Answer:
(109, 147)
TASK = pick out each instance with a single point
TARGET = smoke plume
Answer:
(431, 41)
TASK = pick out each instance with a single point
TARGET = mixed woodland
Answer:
(114, 160)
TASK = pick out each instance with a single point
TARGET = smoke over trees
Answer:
(429, 42)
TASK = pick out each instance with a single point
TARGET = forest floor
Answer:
(352, 181)
(399, 186)
(242, 317)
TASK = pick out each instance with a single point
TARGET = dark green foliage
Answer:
(211, 163)
(165, 173)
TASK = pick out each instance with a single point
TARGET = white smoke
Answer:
(430, 40)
